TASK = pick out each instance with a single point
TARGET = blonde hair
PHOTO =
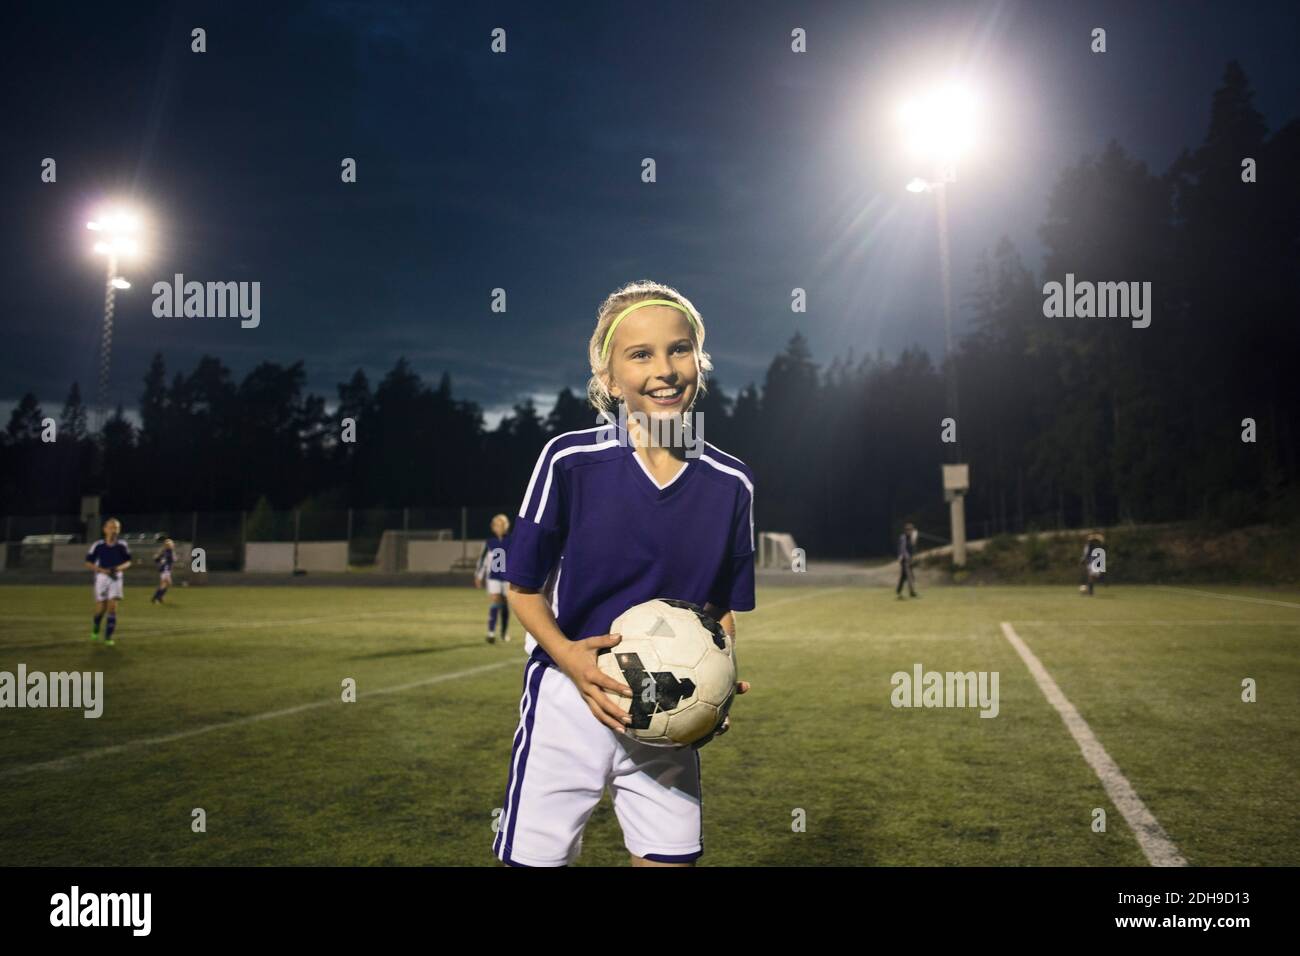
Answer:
(492, 525)
(597, 390)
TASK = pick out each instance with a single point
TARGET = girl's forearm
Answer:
(534, 613)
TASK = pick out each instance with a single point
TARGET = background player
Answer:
(1090, 577)
(108, 558)
(164, 559)
(906, 551)
(492, 569)
(609, 521)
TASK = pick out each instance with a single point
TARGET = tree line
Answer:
(1063, 421)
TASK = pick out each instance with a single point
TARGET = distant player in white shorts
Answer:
(108, 558)
(613, 518)
(491, 571)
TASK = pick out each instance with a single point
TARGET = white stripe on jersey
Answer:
(745, 481)
(611, 443)
(550, 472)
(537, 469)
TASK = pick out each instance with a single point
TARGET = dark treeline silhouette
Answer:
(1064, 421)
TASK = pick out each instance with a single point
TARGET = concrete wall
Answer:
(439, 555)
(268, 557)
(72, 557)
(322, 556)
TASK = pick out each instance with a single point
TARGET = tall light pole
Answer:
(939, 128)
(118, 231)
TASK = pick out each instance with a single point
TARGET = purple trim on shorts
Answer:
(665, 858)
(514, 749)
(541, 656)
(515, 787)
(699, 781)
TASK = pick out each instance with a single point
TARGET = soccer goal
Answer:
(429, 550)
(775, 549)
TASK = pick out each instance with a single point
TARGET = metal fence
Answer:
(222, 534)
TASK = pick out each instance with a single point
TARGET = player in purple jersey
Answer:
(165, 559)
(614, 516)
(108, 558)
(491, 572)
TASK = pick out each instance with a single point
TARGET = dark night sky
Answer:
(522, 170)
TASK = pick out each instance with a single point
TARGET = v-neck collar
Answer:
(647, 480)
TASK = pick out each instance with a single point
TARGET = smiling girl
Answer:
(613, 516)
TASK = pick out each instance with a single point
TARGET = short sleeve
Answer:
(125, 548)
(540, 530)
(734, 588)
(90, 555)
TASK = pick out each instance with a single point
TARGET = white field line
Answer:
(129, 632)
(819, 592)
(1151, 836)
(51, 618)
(1140, 623)
(64, 619)
(68, 761)
(747, 630)
(1229, 597)
(419, 615)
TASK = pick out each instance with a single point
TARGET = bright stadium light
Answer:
(940, 124)
(119, 230)
(938, 130)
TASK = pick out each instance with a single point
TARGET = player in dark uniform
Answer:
(1090, 577)
(491, 571)
(906, 550)
(164, 559)
(108, 558)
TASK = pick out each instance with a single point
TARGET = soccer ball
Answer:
(681, 668)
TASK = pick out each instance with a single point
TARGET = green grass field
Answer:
(229, 700)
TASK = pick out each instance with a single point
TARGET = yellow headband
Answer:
(609, 334)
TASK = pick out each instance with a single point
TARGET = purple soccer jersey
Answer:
(105, 556)
(485, 566)
(598, 529)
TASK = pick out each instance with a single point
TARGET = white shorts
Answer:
(107, 588)
(563, 759)
(164, 577)
(496, 587)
